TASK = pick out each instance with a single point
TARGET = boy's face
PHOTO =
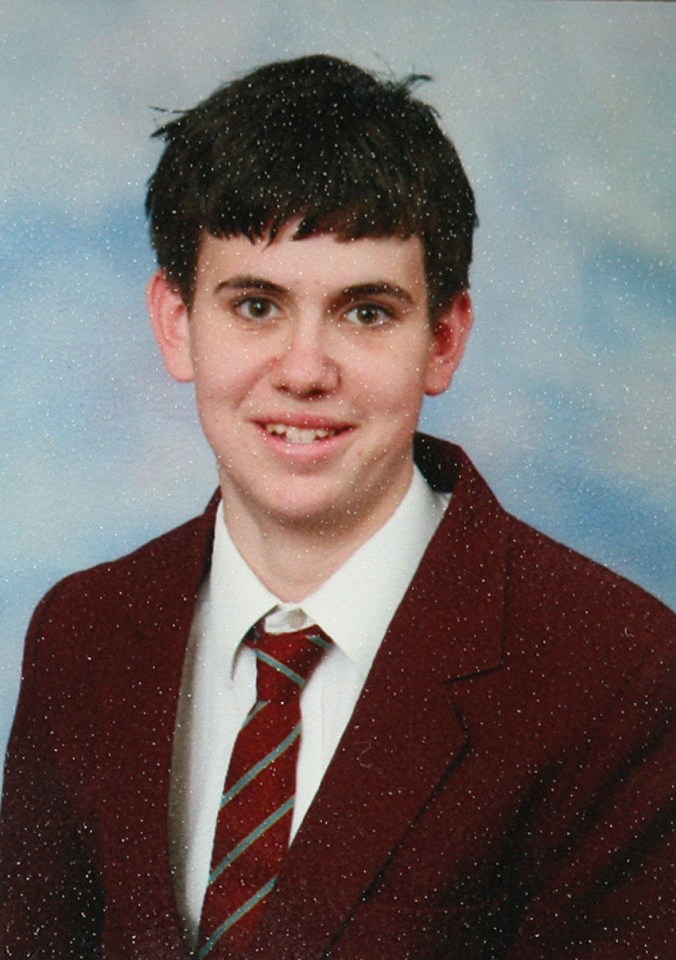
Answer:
(310, 360)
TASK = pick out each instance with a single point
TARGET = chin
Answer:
(305, 515)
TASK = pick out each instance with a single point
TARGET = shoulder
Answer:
(594, 638)
(146, 567)
(566, 591)
(583, 635)
(153, 582)
(578, 654)
(552, 595)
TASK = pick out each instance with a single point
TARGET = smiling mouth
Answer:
(301, 434)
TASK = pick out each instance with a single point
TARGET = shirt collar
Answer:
(354, 606)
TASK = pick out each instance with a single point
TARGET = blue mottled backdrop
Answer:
(563, 113)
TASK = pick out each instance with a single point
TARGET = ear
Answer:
(171, 326)
(448, 343)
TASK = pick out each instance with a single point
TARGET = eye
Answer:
(256, 308)
(369, 315)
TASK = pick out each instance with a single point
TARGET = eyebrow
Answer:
(376, 288)
(243, 282)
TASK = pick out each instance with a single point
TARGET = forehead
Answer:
(320, 260)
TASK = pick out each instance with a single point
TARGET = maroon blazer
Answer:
(500, 791)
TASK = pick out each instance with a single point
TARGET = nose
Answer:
(304, 367)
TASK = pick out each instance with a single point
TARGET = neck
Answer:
(294, 559)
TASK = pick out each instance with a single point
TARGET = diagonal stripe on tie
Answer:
(234, 917)
(276, 665)
(260, 766)
(255, 834)
(320, 640)
(254, 821)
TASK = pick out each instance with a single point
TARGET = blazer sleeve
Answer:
(606, 887)
(50, 901)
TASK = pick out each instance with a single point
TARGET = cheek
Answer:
(398, 383)
(226, 375)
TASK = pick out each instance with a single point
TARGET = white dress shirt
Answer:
(354, 608)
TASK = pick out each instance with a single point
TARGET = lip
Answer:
(303, 422)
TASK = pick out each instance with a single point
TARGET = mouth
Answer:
(292, 434)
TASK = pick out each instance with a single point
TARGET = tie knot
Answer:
(285, 661)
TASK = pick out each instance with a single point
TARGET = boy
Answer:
(355, 709)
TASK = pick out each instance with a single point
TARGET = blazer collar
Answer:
(164, 576)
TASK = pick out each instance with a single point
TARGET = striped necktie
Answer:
(254, 821)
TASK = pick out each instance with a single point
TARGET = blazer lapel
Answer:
(160, 591)
(404, 736)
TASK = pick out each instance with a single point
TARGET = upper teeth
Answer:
(297, 434)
